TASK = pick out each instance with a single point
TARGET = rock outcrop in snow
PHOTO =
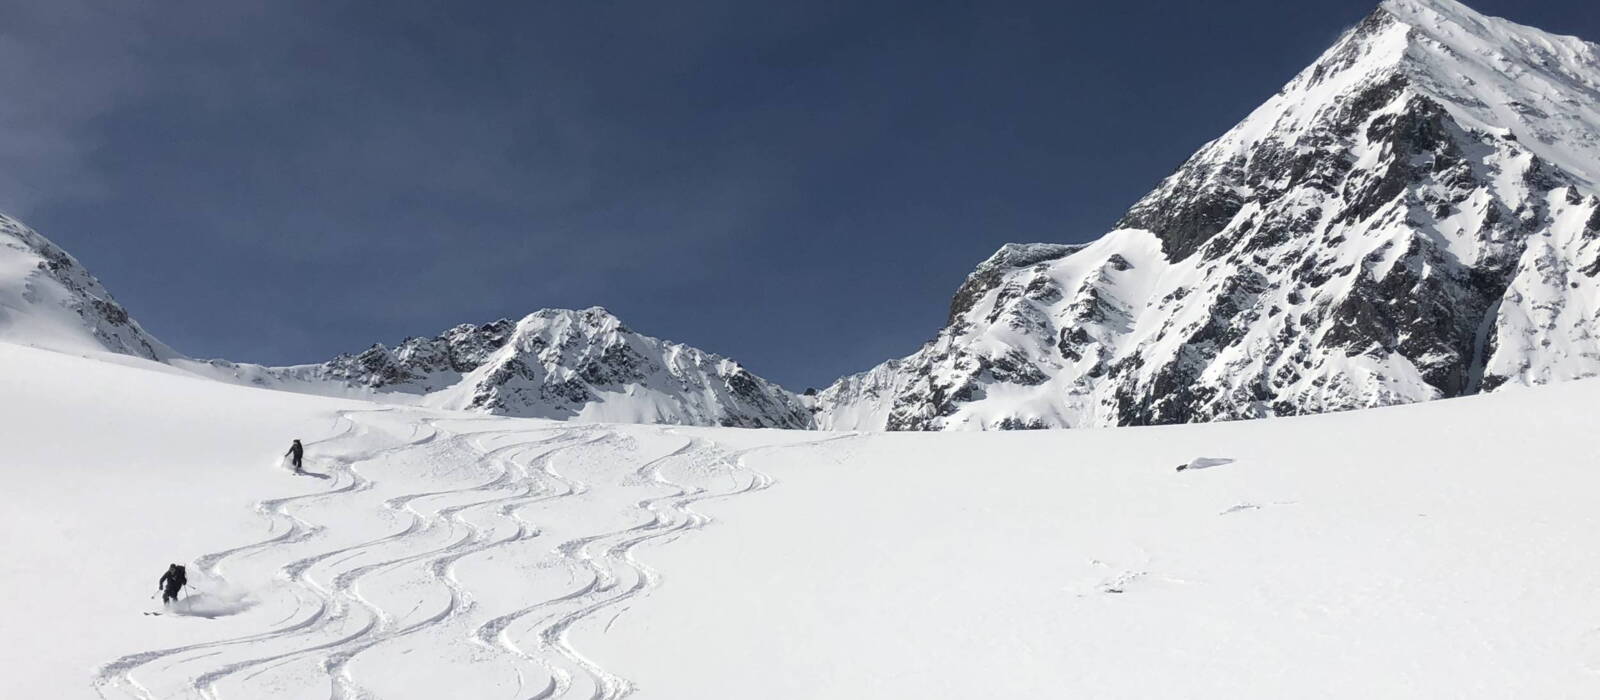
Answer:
(1415, 216)
(48, 300)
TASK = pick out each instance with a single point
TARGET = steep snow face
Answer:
(48, 300)
(554, 363)
(1412, 217)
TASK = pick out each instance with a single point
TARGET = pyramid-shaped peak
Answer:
(1413, 216)
(1497, 76)
(1488, 75)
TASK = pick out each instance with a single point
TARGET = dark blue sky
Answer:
(799, 186)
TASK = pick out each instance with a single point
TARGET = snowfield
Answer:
(1414, 217)
(1438, 550)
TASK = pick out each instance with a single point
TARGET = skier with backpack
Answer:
(296, 454)
(172, 582)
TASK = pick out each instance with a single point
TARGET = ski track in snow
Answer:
(336, 595)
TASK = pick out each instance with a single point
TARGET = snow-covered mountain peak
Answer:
(1493, 74)
(553, 363)
(587, 364)
(1510, 106)
(48, 300)
(1413, 216)
(1488, 74)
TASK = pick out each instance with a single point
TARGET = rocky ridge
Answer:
(1414, 216)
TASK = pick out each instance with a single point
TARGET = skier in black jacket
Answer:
(296, 454)
(171, 582)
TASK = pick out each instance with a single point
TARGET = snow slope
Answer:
(1437, 550)
(429, 554)
(1414, 216)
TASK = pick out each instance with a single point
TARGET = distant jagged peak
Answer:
(553, 363)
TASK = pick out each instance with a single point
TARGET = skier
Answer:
(171, 582)
(296, 454)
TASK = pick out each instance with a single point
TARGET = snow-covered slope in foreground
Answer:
(1438, 550)
(430, 554)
